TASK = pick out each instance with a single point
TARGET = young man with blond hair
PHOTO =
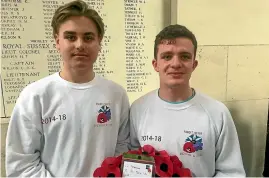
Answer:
(66, 124)
(181, 120)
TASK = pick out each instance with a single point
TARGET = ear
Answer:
(100, 39)
(155, 65)
(195, 64)
(100, 43)
(100, 47)
(56, 37)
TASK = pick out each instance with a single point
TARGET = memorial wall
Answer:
(29, 53)
(28, 50)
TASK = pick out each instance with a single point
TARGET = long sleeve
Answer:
(134, 143)
(124, 129)
(23, 142)
(228, 155)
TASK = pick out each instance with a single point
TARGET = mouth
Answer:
(176, 73)
(80, 55)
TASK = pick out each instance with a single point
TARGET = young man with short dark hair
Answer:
(181, 120)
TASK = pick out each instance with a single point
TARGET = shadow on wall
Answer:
(3, 149)
(167, 9)
(245, 139)
(266, 161)
(250, 118)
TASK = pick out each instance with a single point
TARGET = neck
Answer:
(175, 94)
(77, 77)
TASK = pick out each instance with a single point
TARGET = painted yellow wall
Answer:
(233, 38)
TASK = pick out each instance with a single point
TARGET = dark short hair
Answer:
(172, 32)
(76, 8)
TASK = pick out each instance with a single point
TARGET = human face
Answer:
(175, 62)
(78, 43)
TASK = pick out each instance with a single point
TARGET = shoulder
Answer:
(110, 83)
(38, 88)
(31, 98)
(216, 110)
(110, 87)
(210, 104)
(143, 102)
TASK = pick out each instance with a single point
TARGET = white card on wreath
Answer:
(135, 169)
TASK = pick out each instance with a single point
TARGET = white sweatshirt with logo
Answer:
(200, 131)
(62, 129)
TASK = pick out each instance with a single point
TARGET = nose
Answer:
(176, 62)
(79, 44)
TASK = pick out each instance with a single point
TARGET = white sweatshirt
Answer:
(200, 131)
(65, 129)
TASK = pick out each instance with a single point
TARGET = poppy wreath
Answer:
(165, 165)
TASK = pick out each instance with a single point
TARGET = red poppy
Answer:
(118, 161)
(162, 153)
(176, 162)
(100, 172)
(163, 166)
(107, 172)
(188, 147)
(181, 172)
(149, 150)
(102, 118)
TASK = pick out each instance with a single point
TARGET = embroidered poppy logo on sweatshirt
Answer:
(193, 143)
(104, 114)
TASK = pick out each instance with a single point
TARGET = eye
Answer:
(88, 38)
(185, 57)
(70, 37)
(167, 57)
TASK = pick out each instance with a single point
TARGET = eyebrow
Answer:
(166, 52)
(185, 52)
(170, 52)
(73, 33)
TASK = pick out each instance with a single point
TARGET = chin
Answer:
(175, 83)
(82, 66)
